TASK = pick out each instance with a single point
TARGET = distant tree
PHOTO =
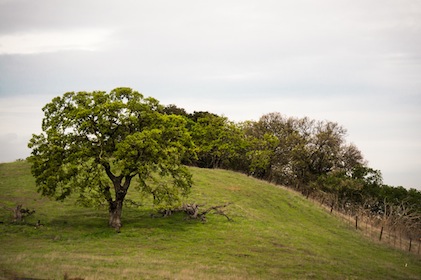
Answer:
(276, 126)
(94, 144)
(337, 185)
(325, 147)
(174, 110)
(260, 155)
(414, 198)
(304, 150)
(196, 115)
(351, 158)
(219, 142)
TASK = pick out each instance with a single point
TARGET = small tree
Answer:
(94, 144)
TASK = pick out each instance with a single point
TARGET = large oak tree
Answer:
(94, 144)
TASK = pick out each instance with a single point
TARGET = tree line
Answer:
(94, 144)
(310, 156)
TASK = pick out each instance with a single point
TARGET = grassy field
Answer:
(276, 234)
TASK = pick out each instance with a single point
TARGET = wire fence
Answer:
(380, 232)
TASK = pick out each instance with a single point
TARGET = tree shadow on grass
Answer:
(90, 221)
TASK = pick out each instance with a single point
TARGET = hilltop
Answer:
(275, 234)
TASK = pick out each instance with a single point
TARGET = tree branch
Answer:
(193, 212)
(107, 168)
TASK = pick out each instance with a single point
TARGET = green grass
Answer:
(276, 234)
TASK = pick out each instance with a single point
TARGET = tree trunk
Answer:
(116, 208)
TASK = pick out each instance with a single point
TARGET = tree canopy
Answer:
(95, 143)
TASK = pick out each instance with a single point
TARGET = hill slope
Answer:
(276, 234)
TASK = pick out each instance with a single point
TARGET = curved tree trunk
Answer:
(116, 206)
(116, 209)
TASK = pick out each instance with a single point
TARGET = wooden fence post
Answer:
(381, 233)
(356, 222)
(410, 244)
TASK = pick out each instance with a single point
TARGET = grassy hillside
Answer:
(276, 234)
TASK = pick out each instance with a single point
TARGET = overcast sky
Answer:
(355, 62)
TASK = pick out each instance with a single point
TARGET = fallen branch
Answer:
(18, 212)
(193, 211)
(217, 210)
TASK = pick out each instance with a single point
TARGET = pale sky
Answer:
(355, 62)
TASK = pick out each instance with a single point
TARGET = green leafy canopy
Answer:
(95, 143)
